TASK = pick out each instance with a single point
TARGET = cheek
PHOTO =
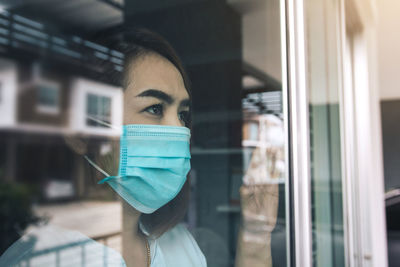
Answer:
(131, 117)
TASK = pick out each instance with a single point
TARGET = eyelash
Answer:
(158, 106)
(183, 115)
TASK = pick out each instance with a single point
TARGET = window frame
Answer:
(367, 195)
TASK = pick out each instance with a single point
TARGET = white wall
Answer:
(388, 39)
(80, 88)
(8, 92)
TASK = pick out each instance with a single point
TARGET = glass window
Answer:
(325, 133)
(98, 110)
(48, 98)
(191, 164)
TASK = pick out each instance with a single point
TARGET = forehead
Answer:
(155, 72)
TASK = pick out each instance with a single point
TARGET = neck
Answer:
(130, 220)
(133, 242)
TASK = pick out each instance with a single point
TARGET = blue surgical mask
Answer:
(153, 165)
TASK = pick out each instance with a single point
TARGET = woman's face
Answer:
(155, 93)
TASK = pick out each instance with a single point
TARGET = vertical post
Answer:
(369, 167)
(298, 127)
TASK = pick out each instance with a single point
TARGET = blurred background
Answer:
(58, 63)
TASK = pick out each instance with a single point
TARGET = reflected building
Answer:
(51, 84)
(57, 76)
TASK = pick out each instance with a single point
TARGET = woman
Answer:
(154, 155)
(154, 162)
(157, 92)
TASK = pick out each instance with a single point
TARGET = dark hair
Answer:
(137, 43)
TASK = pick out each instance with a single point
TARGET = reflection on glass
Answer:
(48, 98)
(260, 191)
(98, 107)
(327, 194)
(64, 108)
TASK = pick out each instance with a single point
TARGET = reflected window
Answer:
(98, 110)
(48, 98)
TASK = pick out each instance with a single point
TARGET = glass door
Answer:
(314, 88)
(325, 139)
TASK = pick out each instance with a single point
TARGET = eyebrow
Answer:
(157, 94)
(162, 96)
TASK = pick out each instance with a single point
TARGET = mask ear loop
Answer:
(108, 177)
(102, 122)
(96, 166)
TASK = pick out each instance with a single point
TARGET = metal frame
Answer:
(295, 97)
(363, 201)
(365, 236)
(347, 143)
(285, 110)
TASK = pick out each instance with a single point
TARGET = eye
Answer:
(155, 109)
(184, 116)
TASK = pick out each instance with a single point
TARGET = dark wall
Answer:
(200, 31)
(390, 112)
(207, 37)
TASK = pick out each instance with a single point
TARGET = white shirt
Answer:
(53, 246)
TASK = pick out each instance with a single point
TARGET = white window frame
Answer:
(363, 169)
(363, 190)
(80, 87)
(295, 103)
